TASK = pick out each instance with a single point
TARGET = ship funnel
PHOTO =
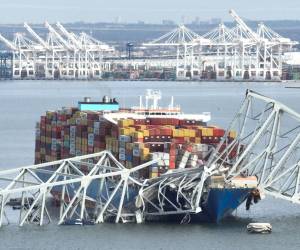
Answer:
(87, 99)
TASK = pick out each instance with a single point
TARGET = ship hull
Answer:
(220, 203)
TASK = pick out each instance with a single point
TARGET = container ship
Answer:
(137, 135)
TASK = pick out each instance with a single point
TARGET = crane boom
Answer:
(36, 36)
(8, 43)
(243, 25)
(71, 36)
(63, 41)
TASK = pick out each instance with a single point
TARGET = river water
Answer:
(21, 104)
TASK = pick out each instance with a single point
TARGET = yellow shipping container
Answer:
(72, 121)
(122, 123)
(178, 133)
(169, 126)
(153, 175)
(138, 135)
(130, 122)
(138, 145)
(197, 140)
(129, 146)
(124, 131)
(207, 131)
(131, 130)
(192, 133)
(146, 133)
(145, 151)
(49, 114)
(125, 122)
(84, 122)
(143, 127)
(145, 157)
(232, 134)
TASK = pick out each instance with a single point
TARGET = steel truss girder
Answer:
(67, 177)
(267, 145)
(117, 194)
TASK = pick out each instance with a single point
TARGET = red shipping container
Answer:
(173, 121)
(166, 131)
(139, 121)
(154, 131)
(138, 140)
(193, 139)
(179, 140)
(218, 132)
(172, 164)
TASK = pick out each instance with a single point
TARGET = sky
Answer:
(150, 11)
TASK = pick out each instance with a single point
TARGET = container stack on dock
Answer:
(178, 143)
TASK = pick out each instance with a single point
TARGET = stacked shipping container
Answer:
(179, 143)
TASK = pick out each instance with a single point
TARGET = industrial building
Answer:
(224, 54)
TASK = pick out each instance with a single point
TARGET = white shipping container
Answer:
(78, 121)
(122, 144)
(96, 124)
(53, 141)
(201, 147)
(96, 131)
(122, 157)
(72, 131)
(193, 161)
(122, 151)
(136, 152)
(163, 158)
(125, 138)
(91, 139)
(72, 151)
(138, 145)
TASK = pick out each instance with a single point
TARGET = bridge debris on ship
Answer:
(267, 144)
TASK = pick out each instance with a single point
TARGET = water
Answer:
(21, 104)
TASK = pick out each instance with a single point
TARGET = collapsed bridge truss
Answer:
(267, 146)
(95, 188)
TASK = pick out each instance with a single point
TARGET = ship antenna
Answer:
(172, 102)
(141, 102)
